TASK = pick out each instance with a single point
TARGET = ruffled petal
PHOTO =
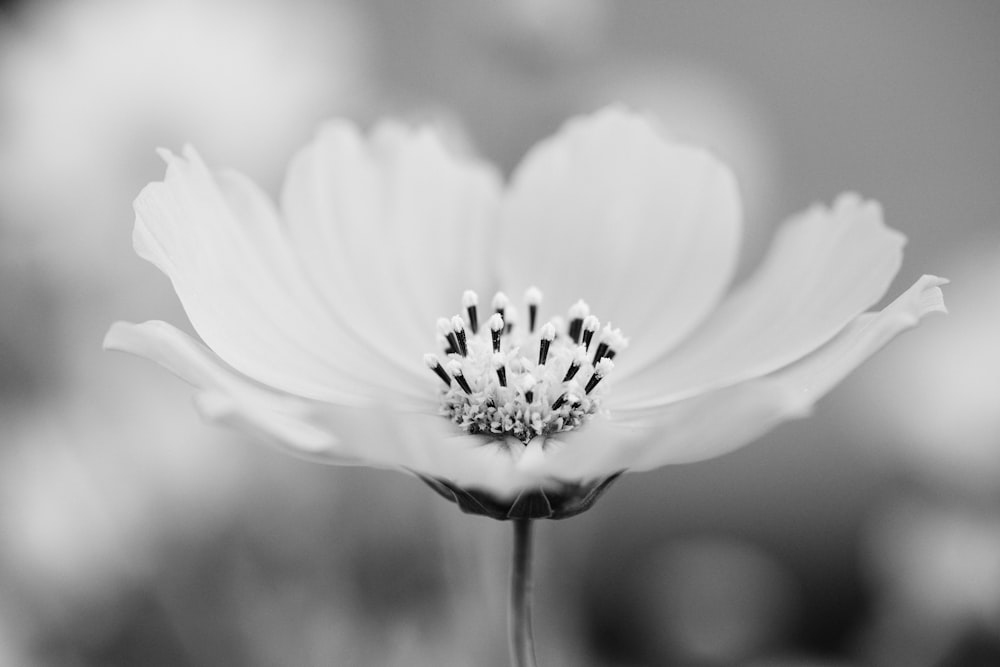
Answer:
(824, 268)
(718, 422)
(224, 394)
(646, 231)
(220, 241)
(698, 428)
(375, 435)
(392, 228)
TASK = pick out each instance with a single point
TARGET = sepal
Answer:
(568, 499)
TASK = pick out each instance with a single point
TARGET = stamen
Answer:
(500, 303)
(470, 300)
(444, 344)
(577, 312)
(498, 385)
(547, 334)
(574, 366)
(559, 322)
(458, 328)
(604, 366)
(590, 326)
(444, 328)
(616, 343)
(496, 330)
(498, 366)
(533, 297)
(510, 318)
(455, 368)
(528, 383)
(435, 365)
(612, 341)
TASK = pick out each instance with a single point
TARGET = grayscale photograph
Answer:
(489, 333)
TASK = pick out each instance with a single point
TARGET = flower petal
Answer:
(694, 429)
(392, 228)
(645, 230)
(824, 268)
(225, 395)
(374, 435)
(226, 252)
(718, 422)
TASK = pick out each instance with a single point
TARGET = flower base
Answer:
(555, 503)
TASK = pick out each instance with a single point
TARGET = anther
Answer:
(498, 366)
(577, 312)
(574, 366)
(510, 318)
(502, 388)
(547, 335)
(604, 366)
(528, 383)
(496, 330)
(470, 300)
(500, 303)
(455, 368)
(458, 328)
(590, 326)
(602, 349)
(612, 342)
(444, 328)
(616, 343)
(444, 344)
(533, 297)
(559, 322)
(435, 365)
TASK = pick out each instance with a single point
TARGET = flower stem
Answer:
(522, 643)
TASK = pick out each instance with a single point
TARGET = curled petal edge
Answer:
(717, 422)
(793, 391)
(689, 430)
(420, 443)
(825, 267)
(224, 395)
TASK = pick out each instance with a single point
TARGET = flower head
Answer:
(347, 325)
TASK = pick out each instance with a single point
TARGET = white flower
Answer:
(321, 316)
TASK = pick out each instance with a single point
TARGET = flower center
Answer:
(505, 379)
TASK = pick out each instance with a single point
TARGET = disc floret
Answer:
(502, 380)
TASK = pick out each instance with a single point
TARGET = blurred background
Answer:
(131, 533)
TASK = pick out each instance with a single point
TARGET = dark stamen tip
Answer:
(473, 319)
(600, 353)
(543, 351)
